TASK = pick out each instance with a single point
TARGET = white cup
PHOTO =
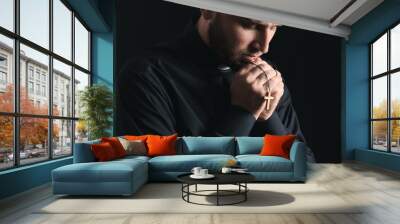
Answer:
(203, 172)
(196, 170)
(226, 170)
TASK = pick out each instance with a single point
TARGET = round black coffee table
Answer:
(238, 179)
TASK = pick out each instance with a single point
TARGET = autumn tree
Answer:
(380, 127)
(33, 131)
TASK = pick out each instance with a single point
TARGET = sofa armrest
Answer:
(83, 152)
(298, 157)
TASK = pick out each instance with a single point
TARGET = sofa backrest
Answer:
(83, 153)
(249, 145)
(206, 145)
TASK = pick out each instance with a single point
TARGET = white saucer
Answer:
(208, 176)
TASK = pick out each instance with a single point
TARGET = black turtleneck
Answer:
(179, 87)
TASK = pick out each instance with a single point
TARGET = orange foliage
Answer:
(33, 130)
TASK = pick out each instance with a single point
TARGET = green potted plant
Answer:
(96, 104)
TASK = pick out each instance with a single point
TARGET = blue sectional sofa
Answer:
(125, 176)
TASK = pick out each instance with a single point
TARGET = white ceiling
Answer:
(320, 9)
(324, 16)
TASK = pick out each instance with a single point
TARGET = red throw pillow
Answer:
(277, 145)
(103, 151)
(116, 145)
(161, 145)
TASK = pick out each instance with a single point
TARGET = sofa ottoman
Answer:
(118, 177)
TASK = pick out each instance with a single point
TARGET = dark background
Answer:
(310, 63)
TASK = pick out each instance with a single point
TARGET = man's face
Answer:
(239, 40)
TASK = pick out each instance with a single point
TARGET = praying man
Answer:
(210, 81)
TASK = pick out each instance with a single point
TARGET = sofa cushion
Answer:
(132, 158)
(277, 145)
(134, 147)
(206, 145)
(185, 163)
(249, 145)
(161, 145)
(103, 152)
(257, 163)
(111, 171)
(116, 145)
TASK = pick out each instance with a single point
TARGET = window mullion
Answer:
(50, 80)
(371, 137)
(73, 82)
(16, 69)
(389, 106)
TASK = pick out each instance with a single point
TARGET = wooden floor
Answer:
(353, 182)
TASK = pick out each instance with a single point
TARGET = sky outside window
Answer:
(7, 14)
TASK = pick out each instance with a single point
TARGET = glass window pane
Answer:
(379, 55)
(62, 29)
(35, 21)
(395, 136)
(81, 45)
(379, 135)
(7, 14)
(81, 81)
(6, 142)
(395, 94)
(81, 131)
(62, 89)
(34, 66)
(395, 47)
(33, 140)
(6, 74)
(62, 138)
(379, 98)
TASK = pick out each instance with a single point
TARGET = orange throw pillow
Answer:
(103, 151)
(277, 145)
(161, 145)
(136, 137)
(116, 145)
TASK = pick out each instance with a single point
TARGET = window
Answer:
(30, 87)
(38, 74)
(38, 89)
(385, 91)
(44, 91)
(3, 78)
(30, 72)
(3, 61)
(43, 77)
(54, 125)
(3, 71)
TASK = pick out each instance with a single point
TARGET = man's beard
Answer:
(221, 44)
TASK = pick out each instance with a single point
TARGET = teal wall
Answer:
(355, 89)
(99, 16)
(103, 49)
(24, 178)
